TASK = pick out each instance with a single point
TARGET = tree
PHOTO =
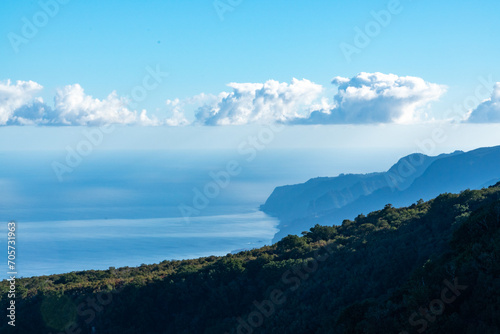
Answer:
(290, 242)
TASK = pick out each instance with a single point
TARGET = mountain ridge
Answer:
(413, 177)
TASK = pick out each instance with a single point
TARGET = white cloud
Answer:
(177, 118)
(260, 103)
(488, 111)
(16, 96)
(365, 98)
(377, 98)
(19, 106)
(74, 107)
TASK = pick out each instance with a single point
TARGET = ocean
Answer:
(127, 208)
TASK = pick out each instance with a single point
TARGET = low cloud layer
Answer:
(364, 99)
(74, 107)
(367, 98)
(377, 98)
(19, 97)
(488, 111)
(267, 102)
(20, 106)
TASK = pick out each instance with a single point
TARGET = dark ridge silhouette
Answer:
(412, 178)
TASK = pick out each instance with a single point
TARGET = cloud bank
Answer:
(377, 98)
(19, 97)
(19, 106)
(488, 111)
(367, 98)
(267, 102)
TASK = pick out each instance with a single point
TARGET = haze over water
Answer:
(121, 208)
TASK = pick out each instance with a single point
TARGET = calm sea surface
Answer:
(120, 208)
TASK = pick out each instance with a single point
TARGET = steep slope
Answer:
(326, 193)
(449, 173)
(299, 200)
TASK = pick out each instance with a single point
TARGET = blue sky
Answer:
(106, 46)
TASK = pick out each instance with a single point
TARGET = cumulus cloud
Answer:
(177, 118)
(365, 98)
(488, 111)
(20, 106)
(19, 96)
(376, 98)
(260, 103)
(33, 113)
(74, 107)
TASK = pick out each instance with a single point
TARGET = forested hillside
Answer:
(431, 267)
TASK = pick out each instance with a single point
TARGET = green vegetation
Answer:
(433, 266)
